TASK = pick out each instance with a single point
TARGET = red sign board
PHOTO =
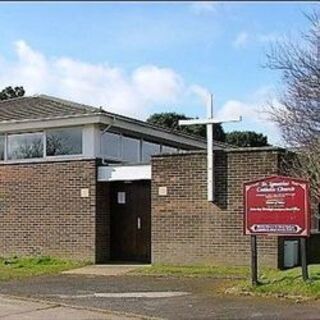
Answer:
(277, 205)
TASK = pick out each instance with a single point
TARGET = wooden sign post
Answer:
(277, 206)
(254, 261)
(304, 264)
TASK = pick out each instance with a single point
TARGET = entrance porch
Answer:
(124, 219)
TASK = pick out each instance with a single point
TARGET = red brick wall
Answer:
(42, 212)
(102, 222)
(186, 228)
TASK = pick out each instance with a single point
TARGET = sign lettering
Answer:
(277, 205)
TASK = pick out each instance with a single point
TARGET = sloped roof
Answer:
(41, 107)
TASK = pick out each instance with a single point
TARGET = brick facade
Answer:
(186, 228)
(102, 222)
(42, 211)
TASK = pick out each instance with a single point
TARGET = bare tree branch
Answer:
(298, 111)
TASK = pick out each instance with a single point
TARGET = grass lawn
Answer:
(287, 283)
(195, 271)
(17, 268)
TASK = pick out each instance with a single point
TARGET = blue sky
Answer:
(140, 58)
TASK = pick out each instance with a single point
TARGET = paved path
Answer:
(17, 309)
(106, 270)
(123, 294)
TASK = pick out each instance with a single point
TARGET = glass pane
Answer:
(149, 149)
(25, 146)
(67, 141)
(110, 144)
(2, 142)
(167, 149)
(130, 149)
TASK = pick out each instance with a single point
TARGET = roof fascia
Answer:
(35, 124)
(100, 118)
(149, 131)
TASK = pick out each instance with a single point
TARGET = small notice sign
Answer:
(121, 197)
(84, 193)
(163, 191)
(277, 205)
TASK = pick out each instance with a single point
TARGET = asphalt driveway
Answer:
(161, 297)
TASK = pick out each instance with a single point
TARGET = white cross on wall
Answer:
(209, 122)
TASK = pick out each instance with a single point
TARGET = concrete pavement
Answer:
(159, 297)
(18, 309)
(106, 270)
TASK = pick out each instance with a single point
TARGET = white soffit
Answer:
(122, 173)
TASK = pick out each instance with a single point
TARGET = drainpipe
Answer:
(103, 132)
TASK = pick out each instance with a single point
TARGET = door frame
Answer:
(138, 185)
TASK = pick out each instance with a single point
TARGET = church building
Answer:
(80, 182)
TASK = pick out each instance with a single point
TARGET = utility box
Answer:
(291, 253)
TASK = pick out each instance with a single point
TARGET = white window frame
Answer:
(63, 156)
(108, 157)
(151, 142)
(138, 152)
(44, 156)
(140, 157)
(6, 153)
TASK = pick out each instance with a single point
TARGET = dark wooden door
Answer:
(131, 221)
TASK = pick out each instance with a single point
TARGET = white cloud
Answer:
(202, 93)
(200, 7)
(241, 40)
(235, 108)
(154, 83)
(30, 66)
(269, 37)
(254, 113)
(131, 93)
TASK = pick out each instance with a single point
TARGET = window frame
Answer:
(6, 153)
(62, 155)
(141, 140)
(122, 147)
(44, 142)
(4, 146)
(106, 156)
(144, 142)
(45, 157)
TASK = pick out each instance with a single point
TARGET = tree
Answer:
(246, 139)
(170, 120)
(10, 93)
(298, 111)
